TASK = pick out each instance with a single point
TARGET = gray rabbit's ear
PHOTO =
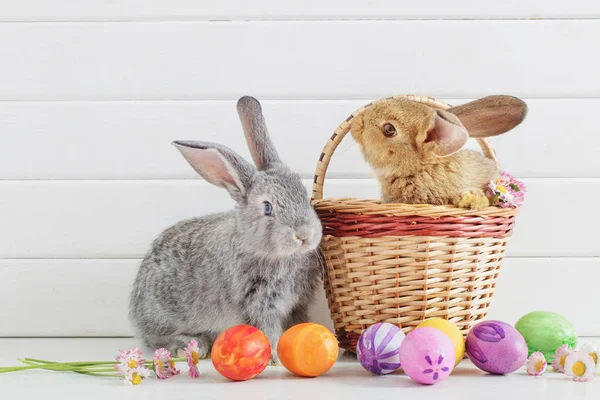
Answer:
(219, 165)
(491, 115)
(255, 129)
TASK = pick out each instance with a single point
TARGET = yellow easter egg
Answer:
(458, 341)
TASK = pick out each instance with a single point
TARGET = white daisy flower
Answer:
(580, 366)
(536, 364)
(591, 351)
(135, 375)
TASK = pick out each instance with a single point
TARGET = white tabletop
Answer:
(346, 380)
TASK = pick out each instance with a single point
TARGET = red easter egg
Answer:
(241, 353)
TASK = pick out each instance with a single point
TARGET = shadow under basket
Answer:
(403, 263)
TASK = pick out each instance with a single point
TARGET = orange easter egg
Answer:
(308, 349)
(241, 353)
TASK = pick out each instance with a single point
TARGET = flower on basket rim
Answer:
(192, 353)
(164, 366)
(591, 351)
(536, 364)
(135, 376)
(506, 191)
(560, 355)
(580, 366)
(129, 360)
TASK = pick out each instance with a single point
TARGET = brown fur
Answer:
(423, 163)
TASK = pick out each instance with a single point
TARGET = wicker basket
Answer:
(402, 263)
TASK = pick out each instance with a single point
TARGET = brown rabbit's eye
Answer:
(388, 130)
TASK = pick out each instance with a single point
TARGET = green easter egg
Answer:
(546, 331)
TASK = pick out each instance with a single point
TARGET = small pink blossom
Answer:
(164, 366)
(536, 364)
(129, 359)
(192, 352)
(506, 191)
(558, 360)
(132, 366)
(135, 376)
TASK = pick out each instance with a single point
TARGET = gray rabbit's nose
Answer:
(303, 236)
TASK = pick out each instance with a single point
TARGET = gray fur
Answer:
(207, 274)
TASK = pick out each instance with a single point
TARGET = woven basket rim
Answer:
(344, 127)
(352, 205)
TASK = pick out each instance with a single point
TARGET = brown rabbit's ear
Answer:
(448, 133)
(491, 116)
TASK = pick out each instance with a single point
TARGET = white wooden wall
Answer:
(93, 92)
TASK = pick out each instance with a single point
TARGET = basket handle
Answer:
(344, 128)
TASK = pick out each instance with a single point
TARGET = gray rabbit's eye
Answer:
(268, 208)
(388, 130)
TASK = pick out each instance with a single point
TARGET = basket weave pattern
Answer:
(401, 263)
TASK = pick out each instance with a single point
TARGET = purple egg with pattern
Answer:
(496, 347)
(378, 348)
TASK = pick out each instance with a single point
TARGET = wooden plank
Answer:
(566, 284)
(119, 219)
(127, 10)
(80, 297)
(131, 140)
(90, 297)
(301, 60)
(66, 297)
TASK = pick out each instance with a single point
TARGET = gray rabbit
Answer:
(258, 264)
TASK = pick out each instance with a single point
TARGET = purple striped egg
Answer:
(378, 348)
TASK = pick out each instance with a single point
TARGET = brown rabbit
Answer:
(416, 153)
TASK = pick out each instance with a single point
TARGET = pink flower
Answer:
(135, 376)
(132, 366)
(192, 352)
(558, 361)
(129, 359)
(536, 364)
(164, 366)
(506, 191)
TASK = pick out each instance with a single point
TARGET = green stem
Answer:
(74, 362)
(48, 365)
(98, 374)
(53, 366)
(83, 367)
(25, 368)
(95, 371)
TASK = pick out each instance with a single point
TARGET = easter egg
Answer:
(378, 348)
(496, 347)
(453, 333)
(427, 355)
(308, 349)
(545, 332)
(241, 353)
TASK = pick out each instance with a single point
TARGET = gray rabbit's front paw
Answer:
(177, 344)
(275, 361)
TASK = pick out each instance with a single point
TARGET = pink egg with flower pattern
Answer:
(427, 355)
